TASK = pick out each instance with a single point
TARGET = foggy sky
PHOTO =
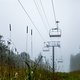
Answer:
(67, 12)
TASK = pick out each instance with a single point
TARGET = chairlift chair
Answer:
(58, 44)
(60, 61)
(55, 32)
(45, 49)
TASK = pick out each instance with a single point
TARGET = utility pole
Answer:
(9, 43)
(53, 44)
(31, 43)
(54, 33)
(53, 58)
(27, 40)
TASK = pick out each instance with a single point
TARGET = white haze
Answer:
(67, 12)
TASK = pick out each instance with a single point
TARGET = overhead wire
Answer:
(54, 11)
(44, 13)
(37, 6)
(31, 20)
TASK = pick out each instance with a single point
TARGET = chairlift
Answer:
(58, 45)
(45, 49)
(60, 61)
(55, 32)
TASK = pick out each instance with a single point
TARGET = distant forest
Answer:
(75, 62)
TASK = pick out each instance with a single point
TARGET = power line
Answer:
(40, 14)
(44, 13)
(30, 19)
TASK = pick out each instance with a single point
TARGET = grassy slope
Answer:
(38, 74)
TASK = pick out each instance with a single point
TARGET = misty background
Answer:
(67, 12)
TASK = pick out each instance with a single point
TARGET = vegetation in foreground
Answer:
(21, 67)
(39, 74)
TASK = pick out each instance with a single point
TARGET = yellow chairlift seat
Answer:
(55, 32)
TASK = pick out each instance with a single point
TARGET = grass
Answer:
(7, 73)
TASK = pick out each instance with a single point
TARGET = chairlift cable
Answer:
(37, 6)
(31, 20)
(54, 12)
(44, 13)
